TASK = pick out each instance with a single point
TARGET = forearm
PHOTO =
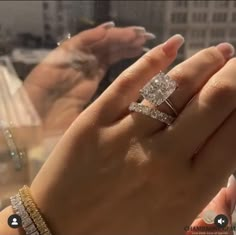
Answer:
(4, 227)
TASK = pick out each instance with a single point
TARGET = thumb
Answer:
(231, 193)
(222, 203)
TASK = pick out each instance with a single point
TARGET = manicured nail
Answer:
(232, 183)
(139, 30)
(226, 49)
(146, 49)
(173, 44)
(108, 25)
(149, 36)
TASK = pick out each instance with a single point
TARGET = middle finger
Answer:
(191, 76)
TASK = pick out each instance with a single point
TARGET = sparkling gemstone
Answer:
(158, 89)
(35, 233)
(26, 222)
(31, 229)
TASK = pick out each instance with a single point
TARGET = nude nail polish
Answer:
(108, 25)
(146, 49)
(173, 44)
(149, 36)
(232, 183)
(139, 30)
(226, 49)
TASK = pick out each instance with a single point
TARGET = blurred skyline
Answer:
(41, 24)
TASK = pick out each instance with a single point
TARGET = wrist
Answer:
(5, 228)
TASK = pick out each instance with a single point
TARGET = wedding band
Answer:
(152, 113)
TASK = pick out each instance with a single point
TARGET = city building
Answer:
(17, 17)
(50, 21)
(202, 23)
(38, 24)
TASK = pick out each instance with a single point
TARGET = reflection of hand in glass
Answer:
(63, 84)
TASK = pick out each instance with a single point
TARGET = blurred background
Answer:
(30, 30)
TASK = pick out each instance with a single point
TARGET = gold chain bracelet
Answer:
(33, 211)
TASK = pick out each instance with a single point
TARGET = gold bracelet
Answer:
(33, 211)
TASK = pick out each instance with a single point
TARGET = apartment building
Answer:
(202, 23)
(49, 20)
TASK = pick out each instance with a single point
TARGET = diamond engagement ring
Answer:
(157, 91)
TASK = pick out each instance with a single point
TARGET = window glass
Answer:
(196, 45)
(221, 4)
(232, 33)
(181, 4)
(198, 33)
(45, 5)
(200, 4)
(234, 17)
(218, 33)
(35, 33)
(179, 18)
(199, 17)
(219, 17)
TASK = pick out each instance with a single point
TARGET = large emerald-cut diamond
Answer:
(158, 89)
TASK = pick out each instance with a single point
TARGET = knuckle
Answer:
(222, 84)
(222, 89)
(126, 80)
(150, 60)
(179, 75)
(213, 56)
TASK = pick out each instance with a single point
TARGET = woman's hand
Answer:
(63, 84)
(116, 172)
(222, 204)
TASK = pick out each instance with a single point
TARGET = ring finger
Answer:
(190, 76)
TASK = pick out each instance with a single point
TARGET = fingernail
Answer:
(226, 49)
(173, 44)
(108, 25)
(146, 49)
(139, 30)
(149, 36)
(231, 181)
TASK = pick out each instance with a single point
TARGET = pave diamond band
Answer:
(152, 113)
(24, 206)
(19, 209)
(16, 155)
